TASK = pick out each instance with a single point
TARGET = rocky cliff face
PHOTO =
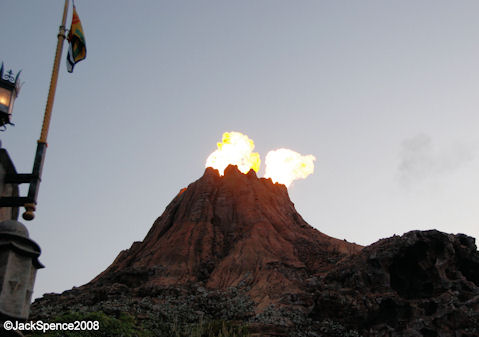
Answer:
(233, 247)
(231, 230)
(419, 284)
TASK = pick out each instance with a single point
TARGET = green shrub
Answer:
(122, 326)
(217, 328)
(125, 325)
(330, 328)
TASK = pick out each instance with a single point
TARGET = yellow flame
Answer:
(284, 166)
(236, 149)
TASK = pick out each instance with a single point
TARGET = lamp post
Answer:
(18, 253)
(9, 89)
(34, 178)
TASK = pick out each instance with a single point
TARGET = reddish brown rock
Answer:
(234, 248)
(232, 230)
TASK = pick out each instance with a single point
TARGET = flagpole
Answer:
(42, 142)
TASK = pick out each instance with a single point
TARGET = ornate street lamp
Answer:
(18, 253)
(9, 89)
(34, 178)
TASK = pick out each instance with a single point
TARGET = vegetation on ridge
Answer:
(125, 325)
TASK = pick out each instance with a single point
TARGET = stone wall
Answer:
(6, 189)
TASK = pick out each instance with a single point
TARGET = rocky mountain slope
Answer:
(234, 248)
(229, 231)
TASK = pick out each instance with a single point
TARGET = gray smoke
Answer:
(419, 160)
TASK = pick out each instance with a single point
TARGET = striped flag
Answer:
(76, 39)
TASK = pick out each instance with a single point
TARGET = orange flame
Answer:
(236, 149)
(284, 166)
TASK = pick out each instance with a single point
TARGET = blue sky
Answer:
(382, 93)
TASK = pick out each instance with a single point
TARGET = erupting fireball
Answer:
(284, 166)
(235, 149)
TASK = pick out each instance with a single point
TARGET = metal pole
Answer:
(53, 81)
(42, 142)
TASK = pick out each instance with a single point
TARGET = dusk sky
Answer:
(383, 93)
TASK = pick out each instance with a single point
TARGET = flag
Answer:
(76, 39)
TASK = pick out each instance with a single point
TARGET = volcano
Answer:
(228, 231)
(233, 248)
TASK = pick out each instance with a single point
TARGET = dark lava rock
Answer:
(420, 284)
(234, 248)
